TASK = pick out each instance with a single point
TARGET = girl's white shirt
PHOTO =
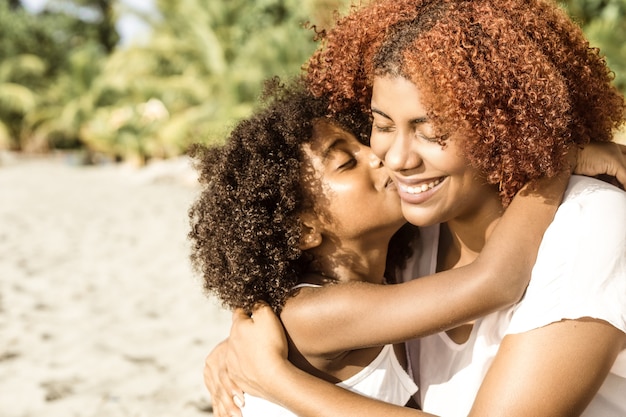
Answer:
(383, 379)
(580, 272)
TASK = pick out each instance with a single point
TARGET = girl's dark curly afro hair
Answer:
(245, 227)
(517, 76)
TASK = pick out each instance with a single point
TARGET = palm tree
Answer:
(203, 68)
(17, 99)
(35, 70)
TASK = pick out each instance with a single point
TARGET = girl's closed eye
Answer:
(342, 154)
(351, 163)
(345, 160)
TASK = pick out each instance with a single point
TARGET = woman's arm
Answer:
(553, 371)
(217, 380)
(356, 315)
(264, 371)
(570, 327)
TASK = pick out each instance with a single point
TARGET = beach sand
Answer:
(100, 313)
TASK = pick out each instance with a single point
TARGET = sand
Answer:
(100, 313)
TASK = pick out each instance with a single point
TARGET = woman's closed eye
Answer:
(383, 128)
(428, 138)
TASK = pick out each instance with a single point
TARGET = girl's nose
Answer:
(375, 162)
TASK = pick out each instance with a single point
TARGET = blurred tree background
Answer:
(66, 82)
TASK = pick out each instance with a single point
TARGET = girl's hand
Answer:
(221, 387)
(257, 349)
(602, 158)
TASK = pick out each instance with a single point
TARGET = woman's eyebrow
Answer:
(420, 120)
(416, 121)
(380, 112)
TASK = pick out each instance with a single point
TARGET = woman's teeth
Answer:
(424, 187)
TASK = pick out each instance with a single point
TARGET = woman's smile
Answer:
(418, 191)
(435, 181)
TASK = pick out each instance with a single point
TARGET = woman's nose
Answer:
(401, 155)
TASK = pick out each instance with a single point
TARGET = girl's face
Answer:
(357, 196)
(435, 183)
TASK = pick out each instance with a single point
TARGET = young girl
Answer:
(470, 100)
(294, 203)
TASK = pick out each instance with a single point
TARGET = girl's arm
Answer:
(349, 315)
(357, 315)
(603, 158)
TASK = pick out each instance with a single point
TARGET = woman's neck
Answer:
(463, 238)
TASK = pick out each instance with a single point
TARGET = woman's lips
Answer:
(420, 188)
(418, 192)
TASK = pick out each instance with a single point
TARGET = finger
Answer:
(238, 398)
(620, 170)
(228, 408)
(221, 411)
(261, 309)
(621, 177)
(240, 322)
(239, 314)
(620, 173)
(228, 394)
(225, 404)
(219, 383)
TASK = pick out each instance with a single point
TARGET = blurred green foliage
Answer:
(65, 82)
(604, 24)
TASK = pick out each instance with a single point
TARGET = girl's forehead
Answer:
(325, 124)
(326, 131)
(328, 138)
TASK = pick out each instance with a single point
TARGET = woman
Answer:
(470, 100)
(279, 220)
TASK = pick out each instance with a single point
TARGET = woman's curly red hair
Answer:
(517, 76)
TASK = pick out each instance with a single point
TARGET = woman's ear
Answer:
(311, 236)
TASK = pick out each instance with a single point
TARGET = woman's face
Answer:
(357, 195)
(435, 183)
